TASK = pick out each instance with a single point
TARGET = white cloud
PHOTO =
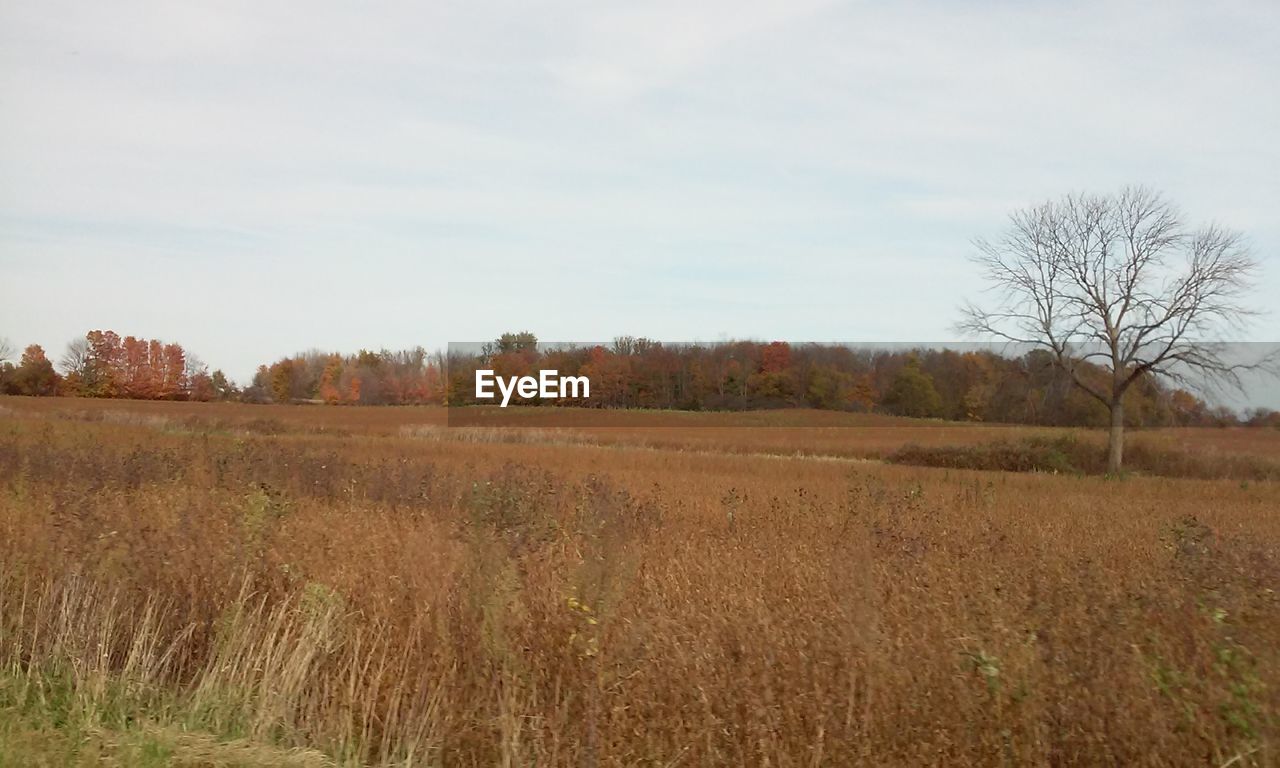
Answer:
(622, 51)
(806, 154)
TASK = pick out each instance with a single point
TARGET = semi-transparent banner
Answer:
(520, 381)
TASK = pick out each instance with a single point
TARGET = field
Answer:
(232, 585)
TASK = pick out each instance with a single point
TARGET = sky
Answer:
(254, 179)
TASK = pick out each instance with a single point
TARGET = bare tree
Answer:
(6, 349)
(1121, 282)
(76, 358)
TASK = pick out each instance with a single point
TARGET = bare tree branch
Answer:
(76, 357)
(1120, 283)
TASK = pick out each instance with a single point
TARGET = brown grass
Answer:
(1070, 454)
(296, 583)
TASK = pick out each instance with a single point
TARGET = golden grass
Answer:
(330, 581)
(782, 432)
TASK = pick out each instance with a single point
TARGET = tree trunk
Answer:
(1115, 449)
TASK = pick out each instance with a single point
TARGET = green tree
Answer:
(829, 388)
(223, 389)
(912, 393)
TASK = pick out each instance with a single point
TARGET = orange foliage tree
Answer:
(103, 364)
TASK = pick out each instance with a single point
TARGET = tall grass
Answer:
(231, 598)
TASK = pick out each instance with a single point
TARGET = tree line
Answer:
(104, 364)
(959, 385)
(630, 372)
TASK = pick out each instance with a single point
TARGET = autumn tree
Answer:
(330, 379)
(1121, 282)
(173, 372)
(34, 374)
(511, 354)
(103, 372)
(1188, 410)
(775, 380)
(608, 373)
(135, 368)
(102, 364)
(281, 381)
(641, 373)
(367, 378)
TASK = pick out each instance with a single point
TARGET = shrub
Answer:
(1069, 455)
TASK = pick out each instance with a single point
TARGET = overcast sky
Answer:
(253, 179)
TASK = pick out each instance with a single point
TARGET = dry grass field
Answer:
(228, 585)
